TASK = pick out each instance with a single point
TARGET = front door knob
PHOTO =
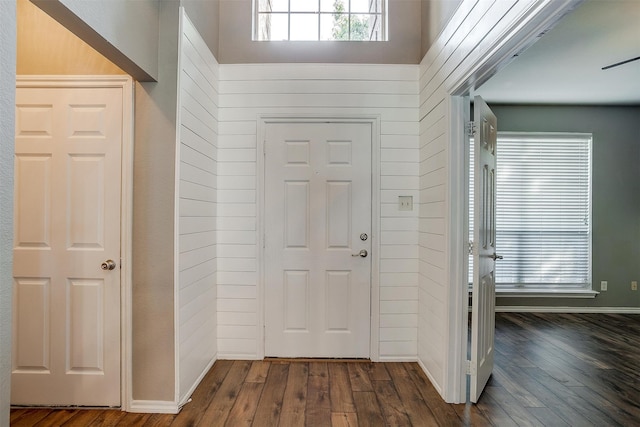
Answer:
(363, 253)
(108, 265)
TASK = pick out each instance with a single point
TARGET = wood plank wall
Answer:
(247, 91)
(197, 259)
(471, 36)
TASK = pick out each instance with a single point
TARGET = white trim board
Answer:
(126, 84)
(548, 309)
(153, 407)
(375, 121)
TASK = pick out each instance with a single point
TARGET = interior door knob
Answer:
(108, 265)
(363, 253)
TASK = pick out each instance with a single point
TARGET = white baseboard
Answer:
(238, 356)
(547, 309)
(185, 398)
(397, 358)
(154, 407)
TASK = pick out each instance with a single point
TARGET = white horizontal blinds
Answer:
(543, 209)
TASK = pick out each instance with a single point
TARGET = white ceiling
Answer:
(565, 65)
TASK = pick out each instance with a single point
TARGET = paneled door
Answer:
(317, 239)
(483, 311)
(66, 310)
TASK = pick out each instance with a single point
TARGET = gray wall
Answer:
(204, 15)
(236, 47)
(7, 131)
(153, 220)
(435, 15)
(615, 196)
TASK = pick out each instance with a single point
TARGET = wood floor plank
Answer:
(392, 408)
(470, 415)
(359, 376)
(108, 418)
(318, 409)
(218, 410)
(546, 417)
(159, 420)
(83, 418)
(56, 418)
(369, 413)
(30, 417)
(295, 396)
(270, 404)
(510, 406)
(416, 409)
(344, 419)
(340, 388)
(443, 412)
(258, 371)
(244, 409)
(133, 420)
(378, 372)
(193, 411)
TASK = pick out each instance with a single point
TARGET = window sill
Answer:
(544, 293)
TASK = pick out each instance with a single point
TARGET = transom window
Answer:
(543, 211)
(320, 20)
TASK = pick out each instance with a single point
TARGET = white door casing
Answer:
(484, 248)
(67, 309)
(317, 205)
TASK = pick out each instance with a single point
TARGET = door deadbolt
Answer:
(364, 237)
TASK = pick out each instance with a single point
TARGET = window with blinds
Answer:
(543, 210)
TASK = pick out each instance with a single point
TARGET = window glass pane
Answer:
(359, 6)
(375, 28)
(273, 5)
(336, 26)
(304, 5)
(304, 27)
(360, 27)
(279, 26)
(326, 27)
(330, 5)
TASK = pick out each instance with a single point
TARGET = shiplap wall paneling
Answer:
(321, 90)
(197, 259)
(477, 30)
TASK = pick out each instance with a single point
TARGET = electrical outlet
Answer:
(603, 285)
(634, 285)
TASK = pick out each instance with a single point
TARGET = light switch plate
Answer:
(405, 203)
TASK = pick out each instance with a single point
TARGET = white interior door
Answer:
(317, 239)
(66, 309)
(484, 248)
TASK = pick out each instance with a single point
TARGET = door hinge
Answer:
(470, 247)
(471, 128)
(468, 367)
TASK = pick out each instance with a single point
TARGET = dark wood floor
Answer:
(551, 370)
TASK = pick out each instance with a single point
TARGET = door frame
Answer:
(540, 16)
(293, 118)
(125, 83)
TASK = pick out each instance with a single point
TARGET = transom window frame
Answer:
(382, 15)
(584, 289)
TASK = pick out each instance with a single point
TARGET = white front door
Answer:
(66, 309)
(317, 239)
(483, 310)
